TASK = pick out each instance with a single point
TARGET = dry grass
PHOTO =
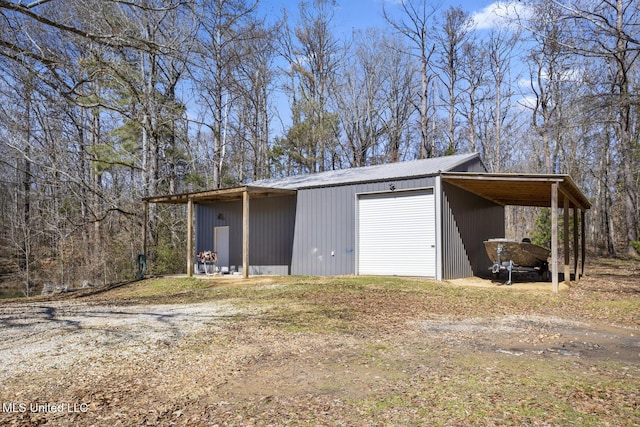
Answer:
(330, 351)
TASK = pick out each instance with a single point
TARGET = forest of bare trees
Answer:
(104, 102)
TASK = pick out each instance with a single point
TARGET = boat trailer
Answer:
(520, 257)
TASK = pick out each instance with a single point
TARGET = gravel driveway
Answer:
(64, 334)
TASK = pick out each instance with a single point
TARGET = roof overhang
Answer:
(519, 189)
(225, 194)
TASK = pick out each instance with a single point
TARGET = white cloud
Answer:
(500, 15)
(527, 102)
(524, 82)
(569, 75)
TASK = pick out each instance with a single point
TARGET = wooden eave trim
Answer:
(577, 197)
(484, 176)
(222, 194)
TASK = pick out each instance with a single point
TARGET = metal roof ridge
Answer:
(298, 181)
(355, 175)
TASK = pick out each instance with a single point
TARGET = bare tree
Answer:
(317, 55)
(549, 69)
(399, 97)
(608, 31)
(497, 114)
(360, 99)
(473, 75)
(452, 35)
(376, 98)
(255, 79)
(18, 118)
(91, 115)
(224, 24)
(415, 25)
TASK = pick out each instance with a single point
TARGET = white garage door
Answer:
(397, 234)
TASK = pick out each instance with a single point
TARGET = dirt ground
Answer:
(263, 352)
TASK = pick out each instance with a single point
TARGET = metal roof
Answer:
(501, 188)
(289, 185)
(519, 189)
(409, 169)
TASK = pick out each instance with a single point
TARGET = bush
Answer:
(542, 232)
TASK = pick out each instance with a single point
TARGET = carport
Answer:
(244, 193)
(537, 190)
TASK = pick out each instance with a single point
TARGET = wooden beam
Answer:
(583, 229)
(234, 193)
(567, 239)
(190, 238)
(245, 234)
(576, 244)
(554, 237)
(145, 220)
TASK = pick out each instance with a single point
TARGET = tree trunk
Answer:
(626, 144)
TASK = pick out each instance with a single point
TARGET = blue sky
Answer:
(361, 14)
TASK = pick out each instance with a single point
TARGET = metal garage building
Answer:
(418, 218)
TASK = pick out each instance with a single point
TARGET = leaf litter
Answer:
(346, 351)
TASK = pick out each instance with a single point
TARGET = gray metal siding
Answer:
(474, 165)
(326, 222)
(271, 225)
(467, 221)
(219, 214)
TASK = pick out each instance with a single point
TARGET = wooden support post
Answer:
(567, 254)
(554, 236)
(583, 229)
(576, 244)
(190, 238)
(245, 234)
(145, 220)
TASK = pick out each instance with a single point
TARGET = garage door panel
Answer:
(396, 234)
